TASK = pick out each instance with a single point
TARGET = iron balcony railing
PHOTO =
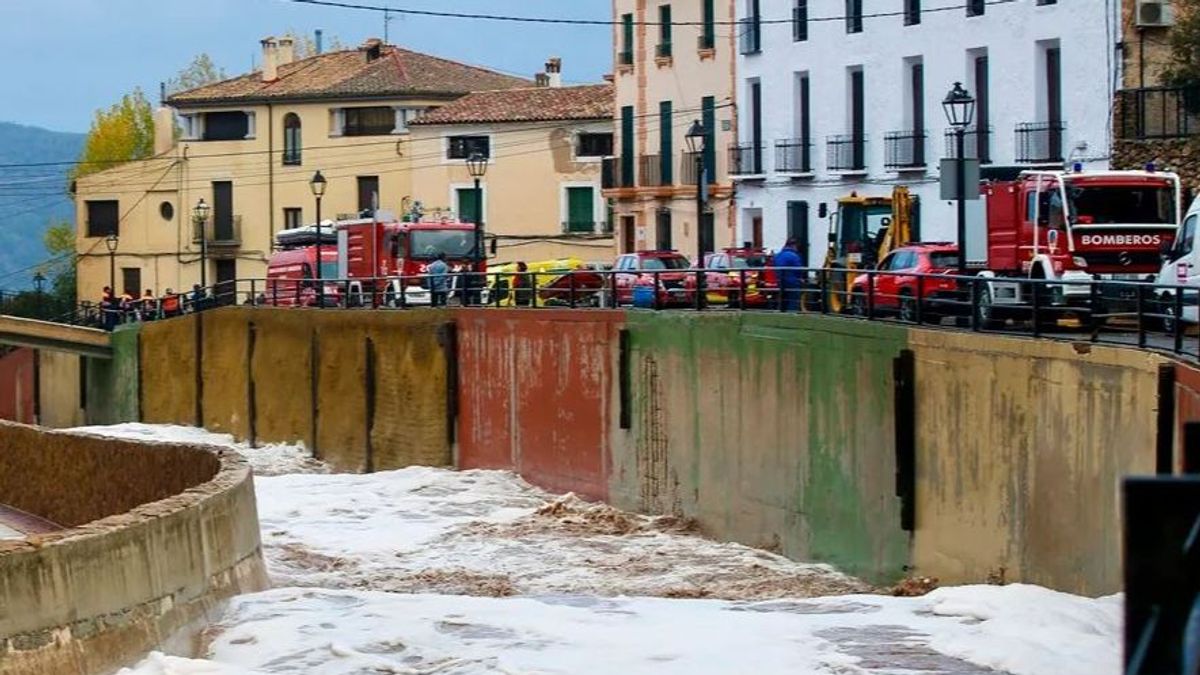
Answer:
(977, 144)
(581, 227)
(706, 40)
(1158, 112)
(650, 172)
(846, 152)
(746, 160)
(689, 168)
(793, 156)
(663, 50)
(904, 150)
(625, 57)
(612, 176)
(220, 232)
(1040, 142)
(751, 36)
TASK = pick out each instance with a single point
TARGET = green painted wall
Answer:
(112, 384)
(772, 430)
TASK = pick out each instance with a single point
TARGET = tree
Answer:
(122, 133)
(199, 72)
(59, 241)
(1183, 67)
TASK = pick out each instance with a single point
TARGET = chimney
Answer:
(164, 130)
(554, 71)
(270, 64)
(372, 49)
(285, 52)
(318, 41)
(541, 80)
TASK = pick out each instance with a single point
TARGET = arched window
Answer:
(291, 140)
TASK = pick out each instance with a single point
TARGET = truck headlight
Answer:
(1079, 261)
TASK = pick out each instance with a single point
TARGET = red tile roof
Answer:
(349, 75)
(537, 104)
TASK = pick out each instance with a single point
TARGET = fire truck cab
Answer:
(1073, 226)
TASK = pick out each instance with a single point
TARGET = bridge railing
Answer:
(1132, 313)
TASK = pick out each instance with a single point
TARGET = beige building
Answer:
(674, 65)
(250, 145)
(542, 188)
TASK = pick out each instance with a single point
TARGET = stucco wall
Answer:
(17, 388)
(1020, 447)
(158, 535)
(537, 395)
(59, 380)
(168, 365)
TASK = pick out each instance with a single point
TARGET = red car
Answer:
(729, 269)
(643, 268)
(897, 286)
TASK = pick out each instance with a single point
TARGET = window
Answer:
(291, 139)
(1185, 242)
(708, 34)
(594, 145)
(976, 7)
(666, 143)
(167, 211)
(626, 147)
(626, 56)
(293, 218)
(797, 227)
(752, 29)
(469, 210)
(131, 281)
(916, 110)
(854, 16)
(983, 146)
(857, 119)
(756, 129)
(368, 194)
(800, 21)
(103, 218)
(463, 147)
(662, 227)
(912, 12)
(456, 244)
(1047, 2)
(374, 121)
(708, 117)
(226, 126)
(581, 204)
(664, 31)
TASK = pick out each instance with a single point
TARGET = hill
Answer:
(31, 197)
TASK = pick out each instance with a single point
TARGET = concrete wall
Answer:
(59, 383)
(18, 374)
(113, 385)
(536, 395)
(158, 535)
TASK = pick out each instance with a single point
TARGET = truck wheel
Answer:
(985, 310)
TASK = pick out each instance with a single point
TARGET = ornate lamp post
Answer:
(318, 185)
(695, 138)
(477, 165)
(112, 241)
(959, 106)
(200, 217)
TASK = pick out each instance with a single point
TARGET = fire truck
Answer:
(1071, 226)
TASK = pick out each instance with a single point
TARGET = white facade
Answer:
(1018, 39)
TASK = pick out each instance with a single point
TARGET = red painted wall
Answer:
(1187, 404)
(535, 393)
(17, 372)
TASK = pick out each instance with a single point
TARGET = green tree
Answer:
(1183, 67)
(199, 72)
(119, 134)
(59, 241)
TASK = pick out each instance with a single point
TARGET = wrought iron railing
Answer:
(1158, 112)
(904, 150)
(1040, 142)
(846, 152)
(751, 36)
(793, 156)
(977, 144)
(746, 159)
(650, 171)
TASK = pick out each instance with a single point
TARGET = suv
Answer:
(644, 268)
(729, 269)
(899, 283)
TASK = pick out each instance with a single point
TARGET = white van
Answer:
(1181, 267)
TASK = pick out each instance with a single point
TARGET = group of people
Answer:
(125, 308)
(441, 284)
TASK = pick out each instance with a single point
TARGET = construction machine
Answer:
(862, 232)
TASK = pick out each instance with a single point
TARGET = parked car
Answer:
(732, 267)
(645, 269)
(898, 285)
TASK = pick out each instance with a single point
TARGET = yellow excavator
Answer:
(862, 232)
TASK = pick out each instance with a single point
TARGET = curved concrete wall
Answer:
(156, 535)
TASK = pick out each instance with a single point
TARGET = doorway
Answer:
(225, 292)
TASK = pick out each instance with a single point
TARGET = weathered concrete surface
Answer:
(95, 597)
(36, 334)
(17, 388)
(772, 430)
(168, 365)
(281, 370)
(113, 394)
(225, 369)
(537, 395)
(1020, 448)
(59, 380)
(1187, 404)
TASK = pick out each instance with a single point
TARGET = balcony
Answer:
(221, 232)
(904, 150)
(793, 156)
(581, 227)
(1158, 112)
(663, 50)
(689, 168)
(625, 58)
(1040, 142)
(846, 153)
(745, 160)
(650, 171)
(612, 177)
(706, 41)
(977, 144)
(751, 36)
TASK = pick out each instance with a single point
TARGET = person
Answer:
(170, 305)
(437, 272)
(198, 298)
(149, 306)
(787, 263)
(522, 286)
(109, 309)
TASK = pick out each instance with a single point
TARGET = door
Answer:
(708, 238)
(131, 281)
(1054, 101)
(858, 127)
(222, 211)
(225, 291)
(628, 234)
(468, 205)
(581, 202)
(756, 232)
(368, 194)
(663, 230)
(887, 285)
(756, 128)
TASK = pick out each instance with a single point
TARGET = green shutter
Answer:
(708, 108)
(710, 30)
(627, 45)
(666, 142)
(626, 179)
(468, 205)
(580, 213)
(664, 30)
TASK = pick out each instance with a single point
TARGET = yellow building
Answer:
(674, 66)
(249, 146)
(542, 188)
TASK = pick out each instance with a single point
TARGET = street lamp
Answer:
(696, 137)
(959, 106)
(318, 185)
(111, 241)
(477, 165)
(39, 280)
(200, 218)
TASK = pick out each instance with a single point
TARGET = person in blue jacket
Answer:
(787, 262)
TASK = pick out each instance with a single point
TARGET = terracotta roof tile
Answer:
(587, 102)
(348, 74)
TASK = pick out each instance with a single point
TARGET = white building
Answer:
(832, 100)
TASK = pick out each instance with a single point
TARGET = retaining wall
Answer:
(60, 380)
(18, 388)
(113, 386)
(157, 536)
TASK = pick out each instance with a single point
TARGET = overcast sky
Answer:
(63, 59)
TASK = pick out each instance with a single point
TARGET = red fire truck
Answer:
(1072, 226)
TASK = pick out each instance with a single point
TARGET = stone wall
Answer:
(156, 536)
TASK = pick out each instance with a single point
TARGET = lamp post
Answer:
(959, 106)
(318, 185)
(200, 217)
(39, 281)
(111, 241)
(477, 165)
(695, 138)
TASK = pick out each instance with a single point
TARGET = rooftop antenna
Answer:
(387, 20)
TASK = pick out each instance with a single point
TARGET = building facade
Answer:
(835, 97)
(673, 67)
(248, 147)
(541, 193)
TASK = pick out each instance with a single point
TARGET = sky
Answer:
(64, 59)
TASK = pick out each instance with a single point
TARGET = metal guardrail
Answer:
(1128, 313)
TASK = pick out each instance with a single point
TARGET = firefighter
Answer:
(149, 306)
(522, 286)
(436, 272)
(171, 305)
